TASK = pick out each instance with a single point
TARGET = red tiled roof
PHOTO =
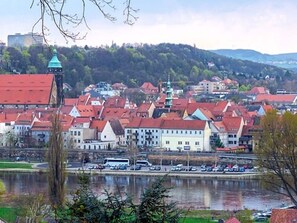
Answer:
(26, 89)
(41, 126)
(232, 123)
(25, 118)
(283, 215)
(6, 118)
(289, 98)
(86, 110)
(184, 124)
(70, 101)
(98, 124)
(232, 220)
(83, 99)
(115, 102)
(144, 107)
(258, 90)
(115, 113)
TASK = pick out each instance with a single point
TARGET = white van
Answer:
(143, 163)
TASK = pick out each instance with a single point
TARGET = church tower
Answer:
(55, 67)
(169, 95)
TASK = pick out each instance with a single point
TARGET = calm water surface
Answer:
(219, 194)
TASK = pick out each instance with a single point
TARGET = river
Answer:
(196, 193)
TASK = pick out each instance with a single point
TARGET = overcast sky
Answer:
(268, 26)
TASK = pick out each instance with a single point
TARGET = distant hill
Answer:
(287, 60)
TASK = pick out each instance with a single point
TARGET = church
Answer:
(27, 91)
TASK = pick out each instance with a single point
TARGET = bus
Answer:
(108, 162)
(143, 163)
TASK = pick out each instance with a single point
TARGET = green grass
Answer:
(13, 165)
(8, 214)
(196, 220)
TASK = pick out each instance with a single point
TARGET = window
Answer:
(176, 131)
(180, 143)
(156, 130)
(75, 133)
(199, 132)
(196, 143)
(190, 132)
(187, 143)
(152, 130)
(141, 130)
(167, 142)
(230, 142)
(78, 133)
(172, 131)
(167, 131)
(71, 133)
(230, 136)
(181, 132)
(195, 132)
(186, 132)
(78, 140)
(235, 142)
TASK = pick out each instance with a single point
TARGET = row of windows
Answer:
(232, 136)
(75, 133)
(181, 143)
(173, 131)
(232, 142)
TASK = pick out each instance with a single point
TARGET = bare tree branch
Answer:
(68, 23)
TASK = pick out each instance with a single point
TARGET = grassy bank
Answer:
(8, 214)
(14, 165)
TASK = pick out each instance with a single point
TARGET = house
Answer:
(22, 128)
(40, 133)
(80, 131)
(183, 135)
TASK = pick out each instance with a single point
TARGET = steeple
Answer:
(55, 67)
(169, 92)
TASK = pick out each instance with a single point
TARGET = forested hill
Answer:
(134, 65)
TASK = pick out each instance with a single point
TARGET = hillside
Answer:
(288, 60)
(134, 65)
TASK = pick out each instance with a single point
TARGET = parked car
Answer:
(136, 167)
(155, 168)
(122, 167)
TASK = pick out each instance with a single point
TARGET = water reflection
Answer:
(216, 194)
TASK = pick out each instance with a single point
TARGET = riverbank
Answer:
(176, 174)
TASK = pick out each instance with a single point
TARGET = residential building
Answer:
(24, 40)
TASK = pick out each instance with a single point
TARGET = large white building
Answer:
(174, 135)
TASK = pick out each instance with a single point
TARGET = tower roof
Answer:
(54, 62)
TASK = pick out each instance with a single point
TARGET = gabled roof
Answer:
(144, 107)
(99, 125)
(83, 99)
(86, 110)
(258, 90)
(26, 89)
(117, 127)
(232, 124)
(148, 88)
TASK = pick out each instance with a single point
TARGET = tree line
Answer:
(133, 65)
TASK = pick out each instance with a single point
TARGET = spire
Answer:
(54, 62)
(169, 92)
(55, 67)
